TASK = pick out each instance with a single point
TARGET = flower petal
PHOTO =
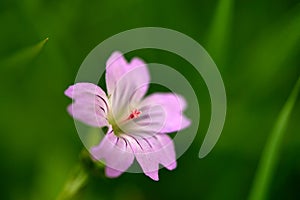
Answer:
(90, 104)
(127, 94)
(173, 106)
(152, 151)
(112, 173)
(116, 153)
(117, 66)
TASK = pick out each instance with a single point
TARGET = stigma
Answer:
(134, 114)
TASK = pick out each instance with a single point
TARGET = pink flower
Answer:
(137, 125)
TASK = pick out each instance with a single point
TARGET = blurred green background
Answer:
(255, 44)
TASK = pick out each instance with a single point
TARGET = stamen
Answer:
(134, 114)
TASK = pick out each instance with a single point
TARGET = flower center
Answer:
(117, 130)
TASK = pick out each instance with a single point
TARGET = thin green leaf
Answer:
(271, 151)
(22, 57)
(218, 36)
(74, 185)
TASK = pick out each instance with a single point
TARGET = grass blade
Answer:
(219, 30)
(271, 151)
(22, 57)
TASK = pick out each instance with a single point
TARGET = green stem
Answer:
(76, 182)
(271, 151)
(79, 176)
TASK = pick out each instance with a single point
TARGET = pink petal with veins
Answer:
(116, 152)
(173, 106)
(117, 67)
(90, 104)
(152, 151)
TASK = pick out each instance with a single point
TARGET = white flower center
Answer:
(115, 126)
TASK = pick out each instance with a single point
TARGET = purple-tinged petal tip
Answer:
(153, 175)
(112, 173)
(172, 166)
(69, 91)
